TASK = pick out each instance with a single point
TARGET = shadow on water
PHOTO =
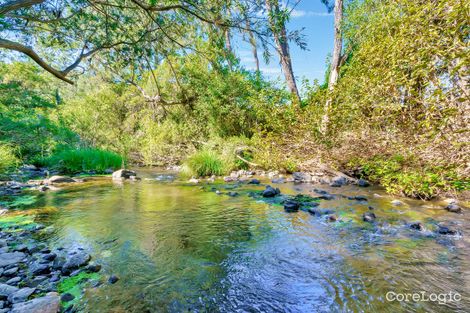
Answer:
(182, 248)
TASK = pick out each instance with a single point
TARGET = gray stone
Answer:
(6, 290)
(50, 303)
(11, 258)
(38, 269)
(13, 281)
(21, 295)
(10, 272)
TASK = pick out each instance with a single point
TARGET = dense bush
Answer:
(8, 158)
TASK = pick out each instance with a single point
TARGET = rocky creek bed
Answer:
(36, 276)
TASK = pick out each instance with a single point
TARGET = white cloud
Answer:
(302, 13)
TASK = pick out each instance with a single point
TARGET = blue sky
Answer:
(318, 24)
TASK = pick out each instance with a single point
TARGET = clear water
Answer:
(179, 248)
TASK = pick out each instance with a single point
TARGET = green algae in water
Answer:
(10, 221)
(75, 285)
(22, 201)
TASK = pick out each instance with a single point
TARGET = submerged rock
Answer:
(49, 303)
(56, 179)
(319, 212)
(113, 279)
(270, 192)
(368, 217)
(66, 297)
(397, 202)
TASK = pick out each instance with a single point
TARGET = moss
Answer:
(22, 201)
(75, 285)
(13, 220)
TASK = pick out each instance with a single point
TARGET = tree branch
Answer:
(17, 4)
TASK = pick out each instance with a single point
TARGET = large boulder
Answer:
(56, 179)
(49, 303)
(124, 174)
(339, 181)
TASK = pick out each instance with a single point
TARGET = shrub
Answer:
(73, 161)
(8, 158)
(205, 163)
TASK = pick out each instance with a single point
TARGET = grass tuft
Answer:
(205, 163)
(73, 161)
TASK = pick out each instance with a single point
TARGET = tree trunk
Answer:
(228, 47)
(335, 61)
(280, 38)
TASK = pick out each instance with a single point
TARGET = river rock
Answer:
(93, 268)
(49, 256)
(454, 208)
(363, 183)
(66, 297)
(291, 206)
(368, 217)
(320, 212)
(75, 261)
(445, 230)
(10, 258)
(7, 290)
(13, 281)
(123, 174)
(417, 226)
(397, 202)
(254, 181)
(270, 192)
(326, 196)
(10, 272)
(302, 177)
(56, 179)
(49, 303)
(39, 268)
(21, 295)
(338, 181)
(113, 279)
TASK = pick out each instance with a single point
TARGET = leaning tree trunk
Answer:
(280, 38)
(335, 61)
(228, 47)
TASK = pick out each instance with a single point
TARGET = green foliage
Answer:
(79, 160)
(205, 163)
(400, 174)
(8, 158)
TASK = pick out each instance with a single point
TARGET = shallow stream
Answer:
(178, 247)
